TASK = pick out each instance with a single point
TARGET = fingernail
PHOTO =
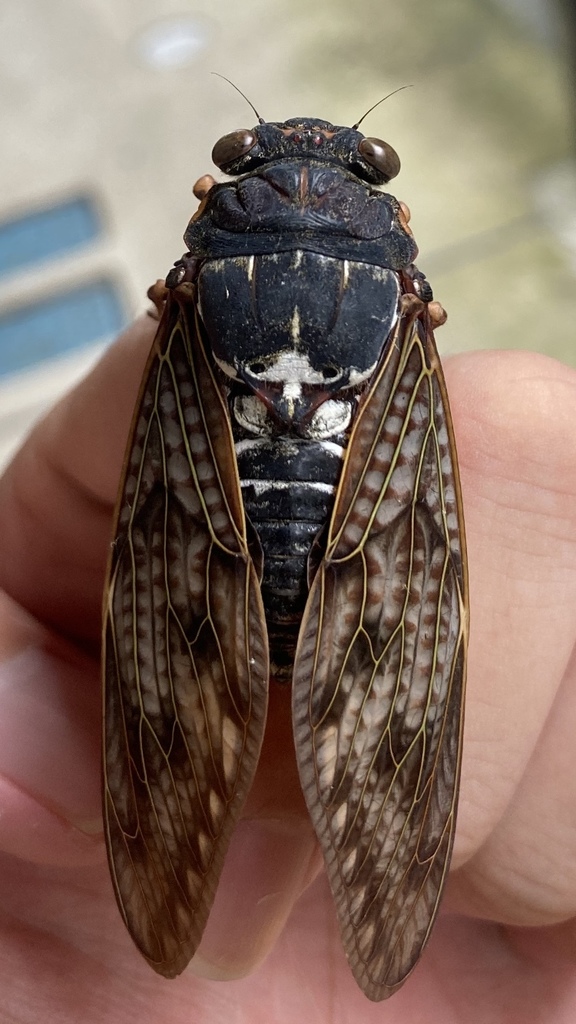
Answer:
(33, 833)
(269, 864)
(49, 733)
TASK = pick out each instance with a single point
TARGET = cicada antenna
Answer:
(249, 102)
(393, 93)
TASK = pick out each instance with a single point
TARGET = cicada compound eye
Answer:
(381, 156)
(232, 146)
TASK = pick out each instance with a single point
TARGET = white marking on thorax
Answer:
(263, 486)
(333, 448)
(251, 414)
(292, 389)
(248, 444)
(333, 417)
(358, 376)
(291, 366)
(227, 368)
(295, 326)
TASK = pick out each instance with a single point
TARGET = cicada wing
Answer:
(186, 659)
(380, 666)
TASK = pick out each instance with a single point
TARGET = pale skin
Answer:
(504, 950)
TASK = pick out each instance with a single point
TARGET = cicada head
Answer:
(306, 138)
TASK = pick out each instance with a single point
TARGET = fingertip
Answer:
(269, 864)
(38, 835)
(50, 710)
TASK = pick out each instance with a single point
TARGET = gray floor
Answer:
(110, 98)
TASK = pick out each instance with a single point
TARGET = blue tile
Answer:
(60, 324)
(47, 233)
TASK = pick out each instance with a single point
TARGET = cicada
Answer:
(289, 515)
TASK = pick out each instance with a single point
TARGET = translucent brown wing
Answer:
(379, 673)
(186, 661)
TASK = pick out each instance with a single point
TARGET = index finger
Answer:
(58, 494)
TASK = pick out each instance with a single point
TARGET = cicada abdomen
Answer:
(290, 515)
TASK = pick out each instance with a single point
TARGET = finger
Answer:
(525, 873)
(57, 496)
(273, 857)
(518, 456)
(49, 746)
(55, 519)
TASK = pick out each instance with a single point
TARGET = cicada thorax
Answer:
(297, 312)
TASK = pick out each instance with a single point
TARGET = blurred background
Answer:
(109, 114)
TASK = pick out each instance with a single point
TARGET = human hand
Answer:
(64, 952)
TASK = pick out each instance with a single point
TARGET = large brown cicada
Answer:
(289, 514)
